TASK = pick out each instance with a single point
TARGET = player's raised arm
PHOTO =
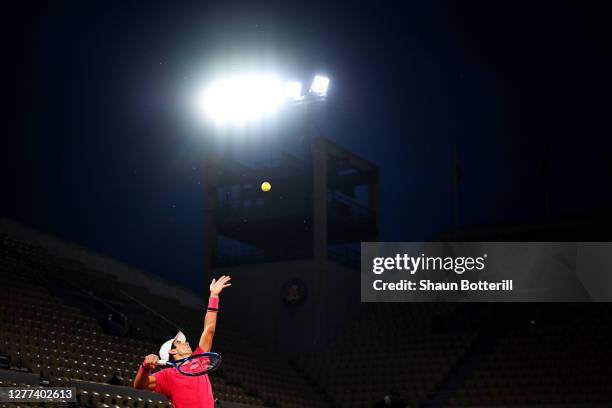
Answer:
(210, 320)
(143, 379)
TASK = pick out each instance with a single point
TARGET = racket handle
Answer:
(162, 362)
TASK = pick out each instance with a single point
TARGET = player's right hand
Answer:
(150, 361)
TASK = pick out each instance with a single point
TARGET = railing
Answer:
(142, 305)
(108, 311)
(144, 322)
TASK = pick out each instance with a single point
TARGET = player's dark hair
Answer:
(172, 347)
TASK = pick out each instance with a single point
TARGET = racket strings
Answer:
(199, 365)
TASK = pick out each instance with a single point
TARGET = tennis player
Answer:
(184, 391)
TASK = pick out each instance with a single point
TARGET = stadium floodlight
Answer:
(241, 99)
(319, 85)
(293, 90)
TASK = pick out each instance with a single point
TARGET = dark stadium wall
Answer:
(262, 302)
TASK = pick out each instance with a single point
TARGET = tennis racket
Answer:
(196, 364)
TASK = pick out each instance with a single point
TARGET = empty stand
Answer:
(556, 365)
(43, 332)
(53, 330)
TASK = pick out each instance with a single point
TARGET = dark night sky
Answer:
(100, 150)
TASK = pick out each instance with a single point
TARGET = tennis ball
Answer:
(265, 186)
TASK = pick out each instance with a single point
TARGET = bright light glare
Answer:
(241, 99)
(319, 85)
(293, 90)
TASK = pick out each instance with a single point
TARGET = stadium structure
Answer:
(294, 333)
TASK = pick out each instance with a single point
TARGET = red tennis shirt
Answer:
(184, 391)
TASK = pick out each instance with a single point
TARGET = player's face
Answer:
(182, 347)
